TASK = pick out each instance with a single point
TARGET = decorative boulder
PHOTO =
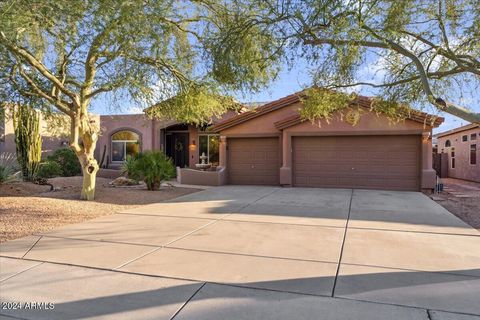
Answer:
(123, 181)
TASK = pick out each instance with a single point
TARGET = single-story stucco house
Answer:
(461, 147)
(272, 145)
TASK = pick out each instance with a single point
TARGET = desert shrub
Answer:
(153, 167)
(49, 169)
(7, 167)
(6, 174)
(67, 160)
(128, 168)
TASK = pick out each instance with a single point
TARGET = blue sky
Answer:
(289, 81)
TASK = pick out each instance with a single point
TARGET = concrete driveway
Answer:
(254, 253)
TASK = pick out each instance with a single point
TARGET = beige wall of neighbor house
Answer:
(462, 145)
(54, 134)
(281, 119)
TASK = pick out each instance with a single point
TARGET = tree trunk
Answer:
(89, 170)
(84, 128)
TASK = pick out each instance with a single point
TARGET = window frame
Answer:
(465, 138)
(474, 151)
(138, 141)
(452, 158)
(447, 142)
(473, 136)
(208, 135)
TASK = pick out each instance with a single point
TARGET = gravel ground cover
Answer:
(27, 208)
(462, 198)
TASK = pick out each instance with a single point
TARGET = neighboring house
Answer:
(52, 139)
(462, 145)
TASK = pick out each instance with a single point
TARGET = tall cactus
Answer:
(28, 140)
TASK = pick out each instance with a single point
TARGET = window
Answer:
(473, 154)
(452, 158)
(448, 144)
(464, 138)
(209, 145)
(473, 136)
(124, 143)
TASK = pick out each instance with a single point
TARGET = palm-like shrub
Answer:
(153, 167)
(129, 168)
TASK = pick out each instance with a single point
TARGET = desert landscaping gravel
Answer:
(27, 208)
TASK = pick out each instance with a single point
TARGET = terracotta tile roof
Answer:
(266, 108)
(457, 130)
(363, 101)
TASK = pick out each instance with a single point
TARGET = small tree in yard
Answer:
(66, 54)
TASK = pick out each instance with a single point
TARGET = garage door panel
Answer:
(253, 161)
(375, 162)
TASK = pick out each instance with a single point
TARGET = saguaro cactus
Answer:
(28, 140)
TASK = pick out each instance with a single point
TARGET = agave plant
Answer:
(7, 167)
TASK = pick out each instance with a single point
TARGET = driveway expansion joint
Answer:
(416, 231)
(188, 300)
(250, 255)
(343, 244)
(22, 271)
(31, 247)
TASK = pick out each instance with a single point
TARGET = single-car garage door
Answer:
(253, 161)
(370, 162)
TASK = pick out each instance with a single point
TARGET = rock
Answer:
(122, 182)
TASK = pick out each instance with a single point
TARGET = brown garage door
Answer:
(370, 162)
(253, 161)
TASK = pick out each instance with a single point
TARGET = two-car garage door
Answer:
(369, 162)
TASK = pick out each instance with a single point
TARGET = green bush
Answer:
(128, 168)
(49, 169)
(67, 160)
(153, 167)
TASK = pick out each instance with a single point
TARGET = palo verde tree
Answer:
(66, 54)
(423, 51)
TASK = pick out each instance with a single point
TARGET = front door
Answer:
(177, 148)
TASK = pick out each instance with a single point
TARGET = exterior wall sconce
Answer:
(193, 145)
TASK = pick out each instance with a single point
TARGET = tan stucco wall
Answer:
(370, 124)
(51, 140)
(463, 168)
(149, 131)
(262, 125)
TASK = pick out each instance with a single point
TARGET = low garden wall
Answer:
(202, 178)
